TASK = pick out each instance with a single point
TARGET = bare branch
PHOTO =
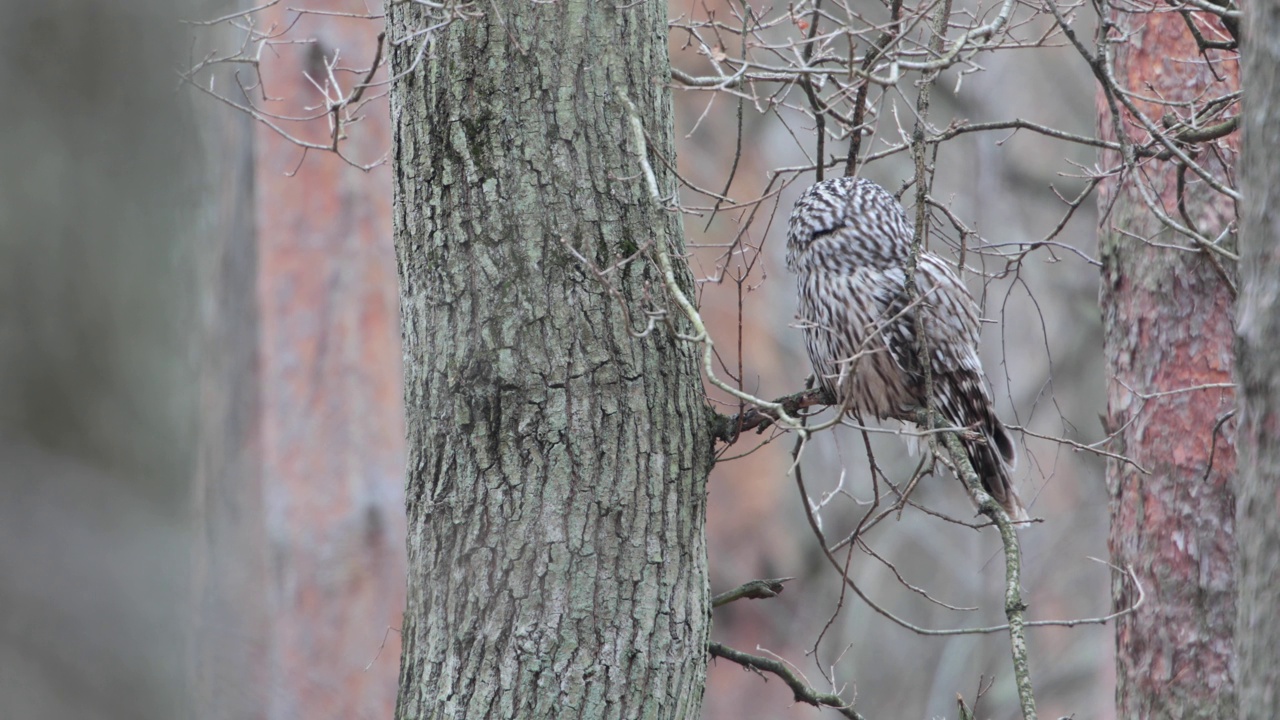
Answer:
(803, 692)
(753, 590)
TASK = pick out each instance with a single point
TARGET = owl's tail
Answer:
(994, 461)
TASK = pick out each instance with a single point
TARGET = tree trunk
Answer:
(556, 463)
(229, 559)
(107, 203)
(1167, 318)
(329, 362)
(1258, 355)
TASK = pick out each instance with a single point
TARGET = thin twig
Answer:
(1014, 607)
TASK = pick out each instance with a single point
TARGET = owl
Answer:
(849, 244)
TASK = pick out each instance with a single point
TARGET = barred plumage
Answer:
(849, 243)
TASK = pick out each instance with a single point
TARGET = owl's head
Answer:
(844, 223)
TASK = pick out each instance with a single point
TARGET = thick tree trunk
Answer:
(556, 463)
(1258, 354)
(1167, 319)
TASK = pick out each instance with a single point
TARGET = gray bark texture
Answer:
(1168, 330)
(1258, 372)
(556, 464)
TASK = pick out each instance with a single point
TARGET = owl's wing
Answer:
(960, 384)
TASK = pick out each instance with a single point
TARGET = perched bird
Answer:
(849, 243)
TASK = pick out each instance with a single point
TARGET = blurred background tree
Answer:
(103, 228)
(201, 443)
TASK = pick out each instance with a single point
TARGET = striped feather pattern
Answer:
(849, 244)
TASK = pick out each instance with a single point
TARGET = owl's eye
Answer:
(822, 233)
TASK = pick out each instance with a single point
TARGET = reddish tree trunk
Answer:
(332, 428)
(1167, 318)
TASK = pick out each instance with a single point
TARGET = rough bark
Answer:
(1258, 370)
(556, 463)
(1167, 318)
